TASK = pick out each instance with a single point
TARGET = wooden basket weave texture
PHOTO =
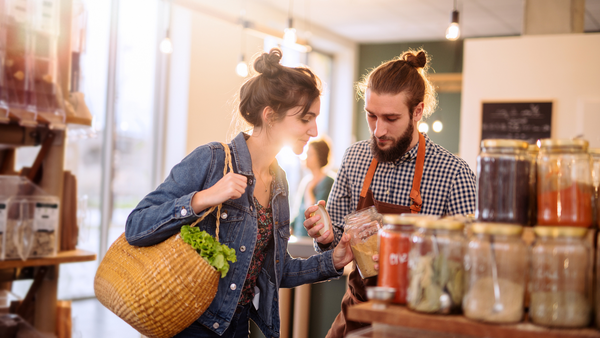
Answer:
(146, 288)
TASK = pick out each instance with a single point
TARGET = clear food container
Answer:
(595, 155)
(564, 183)
(435, 264)
(561, 277)
(394, 246)
(496, 264)
(504, 173)
(362, 226)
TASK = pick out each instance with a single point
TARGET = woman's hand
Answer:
(342, 254)
(231, 186)
(312, 228)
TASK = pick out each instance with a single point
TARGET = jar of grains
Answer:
(504, 171)
(561, 277)
(496, 265)
(564, 183)
(435, 266)
(362, 226)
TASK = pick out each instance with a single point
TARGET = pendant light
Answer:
(289, 36)
(242, 67)
(166, 46)
(453, 31)
(437, 126)
(423, 127)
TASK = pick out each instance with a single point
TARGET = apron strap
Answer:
(415, 193)
(369, 178)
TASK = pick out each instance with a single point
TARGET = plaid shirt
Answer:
(447, 186)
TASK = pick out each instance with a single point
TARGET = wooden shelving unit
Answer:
(455, 324)
(73, 256)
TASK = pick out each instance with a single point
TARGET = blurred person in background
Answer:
(316, 186)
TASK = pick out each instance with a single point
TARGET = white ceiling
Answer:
(371, 21)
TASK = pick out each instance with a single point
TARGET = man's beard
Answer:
(399, 148)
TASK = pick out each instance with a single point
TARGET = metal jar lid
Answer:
(441, 224)
(560, 231)
(497, 229)
(579, 144)
(504, 143)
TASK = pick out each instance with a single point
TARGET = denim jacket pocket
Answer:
(230, 218)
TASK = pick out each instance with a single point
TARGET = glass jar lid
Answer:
(497, 229)
(595, 152)
(575, 144)
(533, 149)
(504, 143)
(441, 224)
(559, 231)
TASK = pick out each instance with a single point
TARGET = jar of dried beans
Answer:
(362, 226)
(504, 175)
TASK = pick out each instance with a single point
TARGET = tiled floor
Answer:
(92, 320)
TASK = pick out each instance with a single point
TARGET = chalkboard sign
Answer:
(527, 121)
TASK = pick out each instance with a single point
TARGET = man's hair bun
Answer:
(268, 63)
(417, 61)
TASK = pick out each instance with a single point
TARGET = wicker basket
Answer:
(159, 290)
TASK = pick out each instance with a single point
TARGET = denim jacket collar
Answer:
(243, 163)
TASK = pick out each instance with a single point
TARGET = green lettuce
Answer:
(215, 253)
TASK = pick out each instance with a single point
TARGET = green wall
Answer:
(445, 57)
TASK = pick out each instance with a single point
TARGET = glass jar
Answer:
(495, 268)
(595, 156)
(394, 246)
(435, 267)
(561, 272)
(362, 226)
(564, 183)
(504, 171)
(533, 150)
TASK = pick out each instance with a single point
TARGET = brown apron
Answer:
(356, 292)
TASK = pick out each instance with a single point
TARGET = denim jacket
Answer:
(162, 213)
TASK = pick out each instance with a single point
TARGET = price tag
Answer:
(46, 216)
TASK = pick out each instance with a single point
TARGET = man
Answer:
(399, 170)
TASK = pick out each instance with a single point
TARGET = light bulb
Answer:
(423, 127)
(166, 46)
(453, 31)
(289, 36)
(242, 69)
(437, 126)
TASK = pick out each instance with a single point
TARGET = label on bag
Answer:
(46, 216)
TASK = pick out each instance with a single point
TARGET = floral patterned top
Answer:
(263, 238)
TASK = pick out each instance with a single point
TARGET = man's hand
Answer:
(342, 254)
(312, 227)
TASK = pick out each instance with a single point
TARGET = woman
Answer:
(281, 104)
(315, 187)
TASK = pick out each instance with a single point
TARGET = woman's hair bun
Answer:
(268, 63)
(417, 61)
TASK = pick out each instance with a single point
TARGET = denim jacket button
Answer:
(224, 215)
(233, 286)
(243, 248)
(183, 212)
(215, 325)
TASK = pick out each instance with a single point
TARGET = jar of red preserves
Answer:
(564, 183)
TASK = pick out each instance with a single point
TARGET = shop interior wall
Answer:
(445, 57)
(561, 68)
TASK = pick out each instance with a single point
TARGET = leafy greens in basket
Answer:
(215, 253)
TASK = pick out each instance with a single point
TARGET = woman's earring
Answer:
(270, 125)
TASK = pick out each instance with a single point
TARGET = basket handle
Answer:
(218, 207)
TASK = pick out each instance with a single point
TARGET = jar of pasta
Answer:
(362, 226)
(564, 183)
(504, 171)
(561, 277)
(496, 264)
(435, 267)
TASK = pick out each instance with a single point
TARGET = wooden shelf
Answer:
(72, 256)
(456, 324)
